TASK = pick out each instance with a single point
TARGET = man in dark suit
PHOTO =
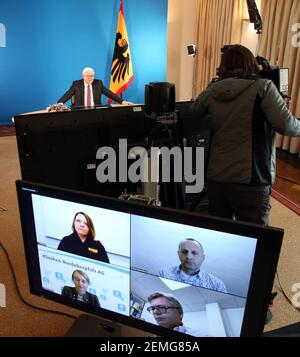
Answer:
(87, 91)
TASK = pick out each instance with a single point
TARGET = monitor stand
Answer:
(90, 326)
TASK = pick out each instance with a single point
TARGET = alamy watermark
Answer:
(2, 35)
(158, 159)
(296, 37)
(296, 297)
(2, 295)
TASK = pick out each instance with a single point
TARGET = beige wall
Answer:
(181, 32)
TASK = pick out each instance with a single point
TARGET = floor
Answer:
(6, 130)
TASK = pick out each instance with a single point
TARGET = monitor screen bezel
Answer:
(269, 241)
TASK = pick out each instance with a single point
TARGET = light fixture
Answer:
(254, 16)
(191, 49)
(252, 26)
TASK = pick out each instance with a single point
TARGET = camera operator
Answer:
(245, 111)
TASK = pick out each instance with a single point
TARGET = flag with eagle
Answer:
(121, 74)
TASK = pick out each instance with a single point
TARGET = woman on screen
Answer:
(79, 292)
(82, 241)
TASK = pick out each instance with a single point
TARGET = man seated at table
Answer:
(87, 91)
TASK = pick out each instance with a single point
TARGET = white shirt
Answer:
(184, 329)
(85, 94)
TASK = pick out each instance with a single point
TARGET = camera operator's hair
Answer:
(237, 60)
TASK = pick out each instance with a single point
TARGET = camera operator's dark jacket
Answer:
(244, 113)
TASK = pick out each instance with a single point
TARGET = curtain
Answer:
(219, 23)
(277, 44)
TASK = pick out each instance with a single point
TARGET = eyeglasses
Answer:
(160, 308)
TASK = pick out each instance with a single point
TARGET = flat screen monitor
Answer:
(165, 271)
(97, 106)
(59, 148)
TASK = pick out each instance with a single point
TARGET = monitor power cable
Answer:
(20, 295)
(285, 294)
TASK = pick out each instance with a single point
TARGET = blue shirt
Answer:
(202, 278)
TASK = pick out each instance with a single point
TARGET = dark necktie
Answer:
(89, 96)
